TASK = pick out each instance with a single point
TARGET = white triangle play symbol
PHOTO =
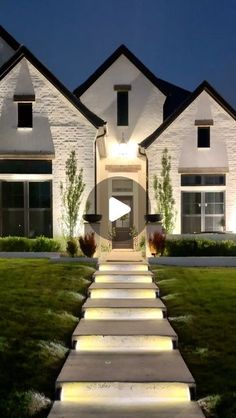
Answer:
(117, 209)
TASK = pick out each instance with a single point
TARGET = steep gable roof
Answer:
(204, 86)
(12, 42)
(24, 52)
(175, 95)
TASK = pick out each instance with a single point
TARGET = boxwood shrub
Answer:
(23, 244)
(184, 247)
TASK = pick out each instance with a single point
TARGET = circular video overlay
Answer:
(121, 203)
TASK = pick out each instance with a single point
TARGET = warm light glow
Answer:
(125, 392)
(123, 293)
(122, 267)
(123, 313)
(123, 343)
(123, 150)
(119, 278)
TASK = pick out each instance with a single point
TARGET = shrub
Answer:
(72, 246)
(28, 244)
(15, 244)
(45, 244)
(87, 244)
(199, 248)
(156, 243)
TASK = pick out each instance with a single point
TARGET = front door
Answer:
(122, 227)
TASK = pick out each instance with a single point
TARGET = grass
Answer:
(202, 309)
(40, 304)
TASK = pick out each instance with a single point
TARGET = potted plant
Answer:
(92, 217)
(153, 217)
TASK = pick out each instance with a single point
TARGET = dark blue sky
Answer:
(181, 41)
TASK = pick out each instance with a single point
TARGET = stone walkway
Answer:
(125, 361)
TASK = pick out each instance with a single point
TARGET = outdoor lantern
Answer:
(123, 147)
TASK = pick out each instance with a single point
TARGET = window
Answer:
(203, 139)
(122, 108)
(203, 180)
(202, 212)
(122, 185)
(25, 115)
(25, 167)
(26, 208)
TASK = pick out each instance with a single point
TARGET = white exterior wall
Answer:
(69, 128)
(180, 138)
(145, 103)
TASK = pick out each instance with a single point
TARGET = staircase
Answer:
(125, 361)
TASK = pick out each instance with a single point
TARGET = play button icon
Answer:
(117, 209)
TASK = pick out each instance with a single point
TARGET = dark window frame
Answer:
(25, 115)
(194, 180)
(26, 208)
(8, 166)
(203, 137)
(122, 108)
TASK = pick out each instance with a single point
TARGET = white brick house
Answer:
(143, 115)
(33, 153)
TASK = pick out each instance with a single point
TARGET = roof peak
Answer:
(204, 85)
(22, 52)
(162, 85)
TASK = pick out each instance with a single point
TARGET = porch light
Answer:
(123, 147)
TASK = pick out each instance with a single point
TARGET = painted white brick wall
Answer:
(69, 128)
(180, 138)
(145, 102)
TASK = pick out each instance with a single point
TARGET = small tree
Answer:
(164, 193)
(71, 194)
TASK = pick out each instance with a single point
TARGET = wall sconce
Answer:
(123, 148)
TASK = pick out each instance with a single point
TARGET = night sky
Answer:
(181, 41)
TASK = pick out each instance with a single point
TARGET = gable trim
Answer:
(165, 87)
(204, 86)
(23, 52)
(12, 42)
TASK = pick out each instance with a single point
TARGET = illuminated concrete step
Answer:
(125, 276)
(137, 377)
(123, 335)
(124, 309)
(123, 290)
(123, 266)
(108, 410)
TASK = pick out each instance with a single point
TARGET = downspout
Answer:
(95, 165)
(143, 153)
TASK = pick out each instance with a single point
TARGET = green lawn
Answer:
(39, 307)
(202, 305)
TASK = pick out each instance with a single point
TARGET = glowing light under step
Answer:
(125, 392)
(121, 313)
(123, 343)
(119, 278)
(123, 293)
(122, 267)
